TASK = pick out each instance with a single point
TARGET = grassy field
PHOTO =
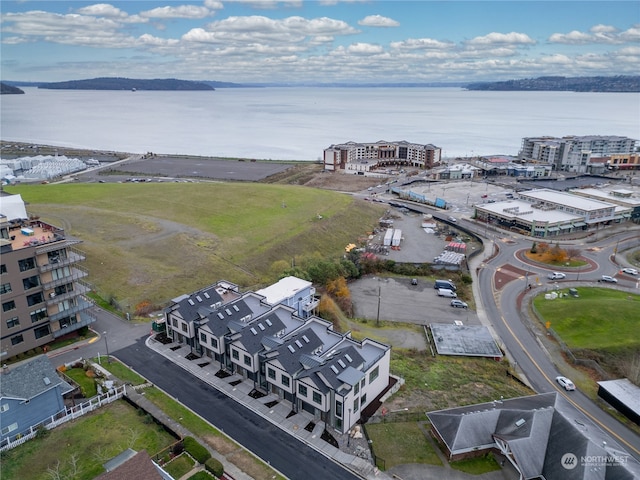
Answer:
(400, 443)
(78, 449)
(600, 318)
(155, 241)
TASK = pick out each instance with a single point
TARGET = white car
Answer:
(459, 304)
(630, 271)
(607, 278)
(556, 276)
(452, 219)
(445, 292)
(566, 383)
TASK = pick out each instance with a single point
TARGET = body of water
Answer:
(299, 123)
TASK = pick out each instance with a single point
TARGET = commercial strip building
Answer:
(274, 340)
(359, 158)
(43, 297)
(547, 213)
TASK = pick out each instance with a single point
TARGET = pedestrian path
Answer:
(275, 410)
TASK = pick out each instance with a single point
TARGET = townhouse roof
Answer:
(27, 380)
(285, 288)
(217, 320)
(538, 430)
(196, 305)
(333, 374)
(298, 352)
(276, 323)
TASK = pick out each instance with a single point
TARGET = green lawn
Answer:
(477, 466)
(155, 241)
(179, 466)
(400, 443)
(122, 372)
(79, 448)
(87, 383)
(599, 319)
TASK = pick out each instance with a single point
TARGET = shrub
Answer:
(197, 451)
(201, 475)
(214, 466)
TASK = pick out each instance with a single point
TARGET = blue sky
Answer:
(351, 41)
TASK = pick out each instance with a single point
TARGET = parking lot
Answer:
(402, 302)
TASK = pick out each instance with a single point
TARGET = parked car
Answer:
(448, 284)
(630, 271)
(458, 304)
(565, 383)
(444, 292)
(452, 219)
(556, 276)
(607, 278)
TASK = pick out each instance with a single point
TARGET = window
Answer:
(175, 322)
(285, 380)
(13, 322)
(9, 429)
(247, 360)
(338, 409)
(10, 305)
(271, 373)
(356, 405)
(374, 374)
(203, 337)
(214, 342)
(363, 399)
(5, 288)
(356, 388)
(42, 331)
(363, 382)
(317, 398)
(302, 390)
(235, 354)
(59, 273)
(35, 299)
(4, 407)
(31, 282)
(27, 264)
(3, 268)
(17, 340)
(183, 326)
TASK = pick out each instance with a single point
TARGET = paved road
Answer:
(267, 441)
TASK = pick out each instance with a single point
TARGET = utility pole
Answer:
(378, 314)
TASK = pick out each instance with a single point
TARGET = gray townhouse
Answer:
(282, 348)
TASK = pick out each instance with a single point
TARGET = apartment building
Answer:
(573, 153)
(42, 295)
(297, 356)
(360, 158)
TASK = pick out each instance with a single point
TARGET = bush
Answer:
(197, 451)
(214, 466)
(201, 475)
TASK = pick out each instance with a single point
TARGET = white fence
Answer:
(70, 413)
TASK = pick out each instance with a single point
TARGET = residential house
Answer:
(293, 292)
(30, 394)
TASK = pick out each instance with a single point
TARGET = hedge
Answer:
(197, 451)
(214, 466)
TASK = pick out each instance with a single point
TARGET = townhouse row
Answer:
(272, 338)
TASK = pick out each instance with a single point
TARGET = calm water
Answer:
(298, 123)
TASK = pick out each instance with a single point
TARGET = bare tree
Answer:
(573, 252)
(54, 472)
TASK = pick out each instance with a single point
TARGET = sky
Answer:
(323, 41)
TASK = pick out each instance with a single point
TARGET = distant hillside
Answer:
(571, 84)
(109, 83)
(8, 89)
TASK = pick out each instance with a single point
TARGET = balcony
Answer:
(86, 319)
(73, 256)
(76, 273)
(311, 304)
(83, 304)
(79, 288)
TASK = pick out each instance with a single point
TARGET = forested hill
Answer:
(109, 83)
(571, 84)
(8, 89)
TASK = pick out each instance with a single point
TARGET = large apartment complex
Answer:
(359, 158)
(271, 337)
(41, 293)
(573, 153)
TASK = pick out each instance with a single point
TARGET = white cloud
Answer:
(213, 4)
(102, 10)
(494, 38)
(421, 44)
(269, 4)
(364, 48)
(602, 34)
(181, 11)
(378, 21)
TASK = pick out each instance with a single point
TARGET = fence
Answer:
(70, 413)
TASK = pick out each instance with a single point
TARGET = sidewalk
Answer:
(353, 453)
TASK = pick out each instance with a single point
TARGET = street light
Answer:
(106, 345)
(349, 428)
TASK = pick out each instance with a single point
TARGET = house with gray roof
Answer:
(542, 436)
(31, 393)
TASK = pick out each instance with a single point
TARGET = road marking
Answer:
(94, 339)
(563, 393)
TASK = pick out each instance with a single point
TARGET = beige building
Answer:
(41, 291)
